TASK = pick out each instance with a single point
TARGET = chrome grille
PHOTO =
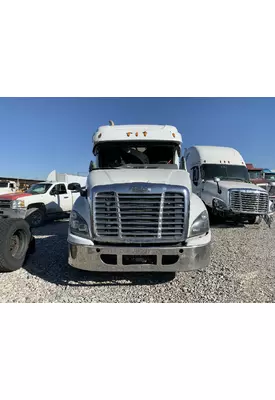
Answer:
(140, 217)
(249, 202)
(5, 203)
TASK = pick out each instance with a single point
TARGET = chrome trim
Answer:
(189, 258)
(246, 191)
(126, 188)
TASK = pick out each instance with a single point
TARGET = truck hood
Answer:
(158, 176)
(235, 185)
(14, 196)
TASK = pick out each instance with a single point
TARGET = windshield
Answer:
(225, 172)
(3, 184)
(255, 174)
(137, 154)
(39, 188)
(270, 177)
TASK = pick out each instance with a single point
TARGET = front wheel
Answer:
(15, 238)
(35, 217)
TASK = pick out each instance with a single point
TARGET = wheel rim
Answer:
(36, 218)
(17, 244)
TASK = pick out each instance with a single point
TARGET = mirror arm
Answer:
(83, 192)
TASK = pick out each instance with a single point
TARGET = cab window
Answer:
(59, 189)
(62, 189)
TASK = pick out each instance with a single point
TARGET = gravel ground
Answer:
(242, 270)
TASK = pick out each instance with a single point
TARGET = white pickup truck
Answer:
(44, 200)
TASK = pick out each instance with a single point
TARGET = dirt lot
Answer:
(242, 270)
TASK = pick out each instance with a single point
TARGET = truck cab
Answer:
(138, 211)
(220, 178)
(7, 187)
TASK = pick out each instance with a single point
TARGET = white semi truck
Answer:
(138, 211)
(220, 178)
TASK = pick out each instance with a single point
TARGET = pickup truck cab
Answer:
(44, 200)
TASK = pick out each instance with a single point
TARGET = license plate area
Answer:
(139, 259)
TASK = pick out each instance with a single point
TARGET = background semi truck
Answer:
(220, 178)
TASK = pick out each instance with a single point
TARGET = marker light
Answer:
(173, 134)
(136, 133)
(99, 136)
(129, 133)
(145, 133)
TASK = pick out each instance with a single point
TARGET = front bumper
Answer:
(195, 255)
(10, 213)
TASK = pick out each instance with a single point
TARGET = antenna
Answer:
(111, 123)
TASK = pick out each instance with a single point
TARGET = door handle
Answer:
(66, 197)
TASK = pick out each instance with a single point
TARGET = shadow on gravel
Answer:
(49, 262)
(226, 225)
(219, 223)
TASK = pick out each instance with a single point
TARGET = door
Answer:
(61, 200)
(196, 182)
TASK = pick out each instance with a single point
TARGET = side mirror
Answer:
(53, 192)
(75, 187)
(217, 180)
(92, 166)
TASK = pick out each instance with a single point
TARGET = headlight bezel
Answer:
(201, 225)
(77, 221)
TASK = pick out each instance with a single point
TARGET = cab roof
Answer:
(215, 155)
(137, 132)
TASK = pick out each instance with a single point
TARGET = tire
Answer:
(254, 220)
(213, 218)
(35, 217)
(15, 237)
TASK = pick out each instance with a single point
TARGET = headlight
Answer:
(219, 204)
(17, 204)
(200, 225)
(78, 226)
